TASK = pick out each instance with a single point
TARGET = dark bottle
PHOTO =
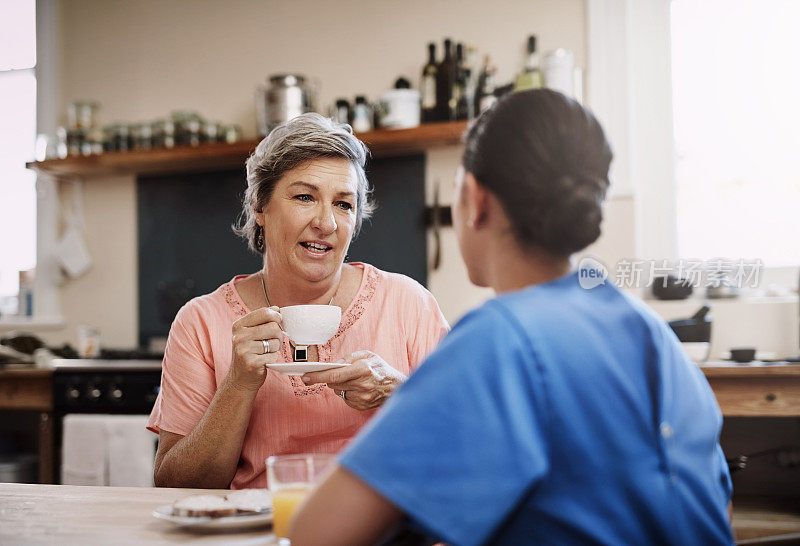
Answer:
(445, 82)
(427, 86)
(485, 95)
(531, 75)
(460, 87)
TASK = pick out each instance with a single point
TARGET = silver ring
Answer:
(265, 343)
(343, 395)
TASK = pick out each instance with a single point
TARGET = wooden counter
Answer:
(26, 389)
(756, 391)
(760, 517)
(31, 389)
(65, 514)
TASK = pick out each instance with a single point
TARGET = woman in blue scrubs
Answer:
(560, 412)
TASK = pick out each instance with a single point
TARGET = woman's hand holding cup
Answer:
(256, 341)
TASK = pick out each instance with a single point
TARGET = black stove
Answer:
(105, 386)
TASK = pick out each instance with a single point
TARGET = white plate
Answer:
(242, 521)
(299, 368)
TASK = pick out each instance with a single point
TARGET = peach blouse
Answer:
(391, 315)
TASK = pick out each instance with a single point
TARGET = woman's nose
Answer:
(324, 220)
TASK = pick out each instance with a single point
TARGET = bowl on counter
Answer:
(697, 351)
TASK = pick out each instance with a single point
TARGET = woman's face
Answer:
(310, 219)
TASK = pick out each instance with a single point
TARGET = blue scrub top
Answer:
(554, 415)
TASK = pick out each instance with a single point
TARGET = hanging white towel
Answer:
(84, 455)
(107, 450)
(131, 451)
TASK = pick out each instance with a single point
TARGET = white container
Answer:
(558, 71)
(88, 341)
(697, 351)
(400, 109)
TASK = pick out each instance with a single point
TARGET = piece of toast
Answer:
(250, 500)
(210, 506)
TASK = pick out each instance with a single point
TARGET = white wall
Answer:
(143, 59)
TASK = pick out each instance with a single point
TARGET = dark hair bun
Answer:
(546, 158)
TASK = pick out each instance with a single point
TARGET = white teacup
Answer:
(310, 324)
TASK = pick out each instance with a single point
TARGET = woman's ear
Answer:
(477, 201)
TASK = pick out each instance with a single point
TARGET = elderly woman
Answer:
(221, 412)
(556, 413)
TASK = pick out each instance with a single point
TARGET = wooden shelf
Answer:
(207, 157)
(718, 370)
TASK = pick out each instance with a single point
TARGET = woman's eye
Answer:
(344, 205)
(303, 197)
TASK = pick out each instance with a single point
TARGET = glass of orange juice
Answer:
(290, 479)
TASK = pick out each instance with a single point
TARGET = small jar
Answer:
(75, 139)
(341, 111)
(62, 146)
(164, 133)
(362, 115)
(95, 139)
(188, 126)
(210, 131)
(121, 137)
(233, 134)
(142, 136)
(82, 114)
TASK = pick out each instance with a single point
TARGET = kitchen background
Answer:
(141, 60)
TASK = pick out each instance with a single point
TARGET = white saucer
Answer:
(241, 521)
(299, 368)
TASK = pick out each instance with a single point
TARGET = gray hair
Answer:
(306, 137)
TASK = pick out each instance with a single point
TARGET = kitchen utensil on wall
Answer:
(437, 221)
(286, 97)
(70, 250)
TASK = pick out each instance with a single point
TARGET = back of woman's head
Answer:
(546, 159)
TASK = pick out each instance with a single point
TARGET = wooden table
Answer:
(31, 389)
(67, 514)
(756, 391)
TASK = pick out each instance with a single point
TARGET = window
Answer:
(735, 88)
(17, 141)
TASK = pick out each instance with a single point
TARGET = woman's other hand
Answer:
(256, 340)
(367, 382)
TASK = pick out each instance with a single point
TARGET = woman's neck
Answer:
(511, 267)
(284, 290)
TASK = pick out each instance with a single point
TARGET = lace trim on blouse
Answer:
(233, 300)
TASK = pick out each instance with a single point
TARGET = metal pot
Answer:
(286, 97)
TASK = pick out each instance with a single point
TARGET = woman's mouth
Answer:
(318, 249)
